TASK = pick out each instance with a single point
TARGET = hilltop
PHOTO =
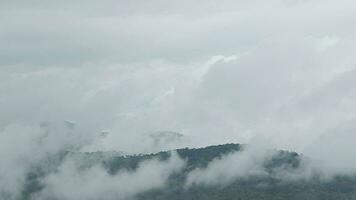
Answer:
(269, 185)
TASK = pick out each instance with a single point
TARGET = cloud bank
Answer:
(71, 182)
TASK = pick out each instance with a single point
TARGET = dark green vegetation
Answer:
(250, 187)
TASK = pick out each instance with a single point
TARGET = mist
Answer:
(71, 182)
(275, 75)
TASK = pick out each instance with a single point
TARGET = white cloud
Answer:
(95, 183)
(231, 167)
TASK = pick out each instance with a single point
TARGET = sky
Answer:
(279, 73)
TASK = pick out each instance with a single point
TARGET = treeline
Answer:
(245, 188)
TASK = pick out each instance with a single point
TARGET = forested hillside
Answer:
(267, 186)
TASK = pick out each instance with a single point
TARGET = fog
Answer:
(279, 74)
(71, 182)
(230, 167)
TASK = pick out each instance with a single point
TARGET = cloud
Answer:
(225, 170)
(71, 182)
(232, 71)
(70, 34)
(23, 147)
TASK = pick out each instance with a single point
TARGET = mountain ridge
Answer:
(254, 186)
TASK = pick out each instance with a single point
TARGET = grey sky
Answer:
(67, 33)
(93, 61)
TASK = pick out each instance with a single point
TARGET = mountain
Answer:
(269, 185)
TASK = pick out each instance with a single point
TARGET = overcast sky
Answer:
(280, 71)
